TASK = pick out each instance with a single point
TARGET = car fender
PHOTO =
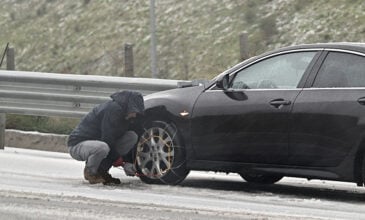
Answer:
(174, 106)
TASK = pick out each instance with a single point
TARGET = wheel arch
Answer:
(160, 113)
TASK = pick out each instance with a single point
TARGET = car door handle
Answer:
(278, 103)
(361, 101)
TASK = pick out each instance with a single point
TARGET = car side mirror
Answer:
(223, 82)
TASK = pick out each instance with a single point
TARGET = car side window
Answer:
(279, 72)
(341, 70)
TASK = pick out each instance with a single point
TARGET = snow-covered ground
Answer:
(47, 185)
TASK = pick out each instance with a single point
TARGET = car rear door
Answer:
(328, 120)
(249, 122)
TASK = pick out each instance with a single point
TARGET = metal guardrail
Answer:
(66, 95)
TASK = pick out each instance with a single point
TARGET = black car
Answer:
(298, 111)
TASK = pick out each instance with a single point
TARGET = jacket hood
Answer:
(130, 101)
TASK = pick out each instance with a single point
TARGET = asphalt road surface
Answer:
(46, 185)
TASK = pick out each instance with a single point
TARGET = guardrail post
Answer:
(10, 65)
(128, 60)
(244, 50)
(10, 59)
(2, 130)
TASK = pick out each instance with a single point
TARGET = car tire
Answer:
(160, 155)
(261, 178)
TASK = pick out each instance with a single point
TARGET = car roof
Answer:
(355, 46)
(352, 46)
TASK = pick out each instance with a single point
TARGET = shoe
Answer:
(109, 180)
(129, 169)
(103, 169)
(93, 179)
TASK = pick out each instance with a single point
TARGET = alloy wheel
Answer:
(155, 153)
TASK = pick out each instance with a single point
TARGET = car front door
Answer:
(328, 118)
(249, 121)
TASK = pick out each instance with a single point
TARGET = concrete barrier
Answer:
(36, 140)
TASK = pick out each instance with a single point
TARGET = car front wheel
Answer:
(161, 155)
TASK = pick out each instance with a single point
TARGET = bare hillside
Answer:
(196, 39)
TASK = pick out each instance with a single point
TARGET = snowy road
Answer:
(47, 185)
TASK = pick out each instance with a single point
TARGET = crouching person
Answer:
(107, 133)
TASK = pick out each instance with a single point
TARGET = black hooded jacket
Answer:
(106, 122)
